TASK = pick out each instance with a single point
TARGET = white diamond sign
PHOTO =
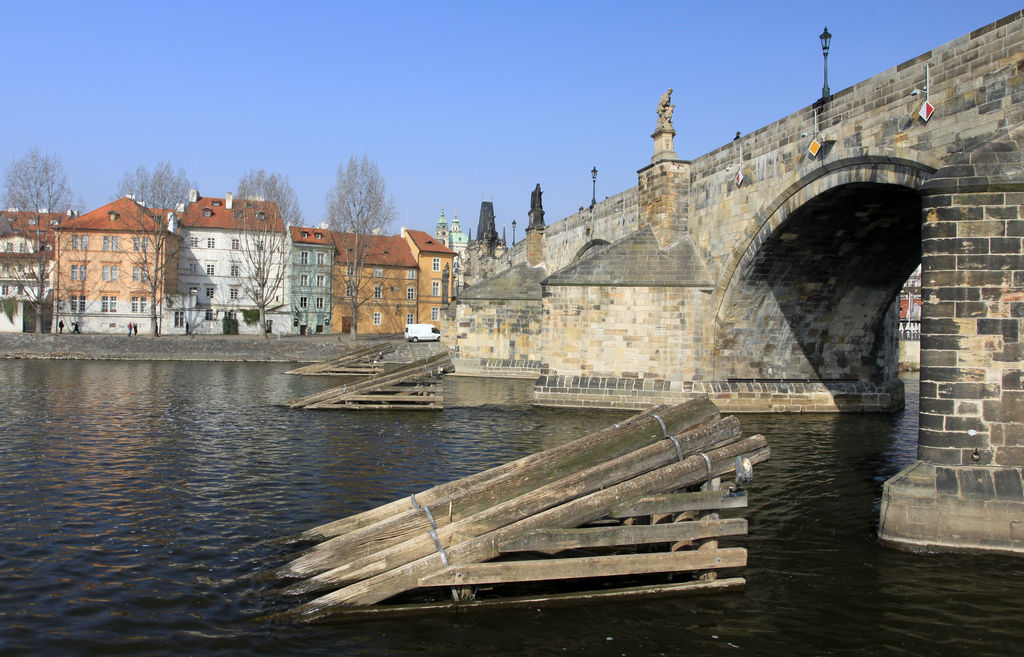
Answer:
(926, 111)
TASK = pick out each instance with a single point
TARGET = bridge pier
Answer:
(966, 491)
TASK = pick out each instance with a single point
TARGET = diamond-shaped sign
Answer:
(739, 178)
(926, 111)
(814, 147)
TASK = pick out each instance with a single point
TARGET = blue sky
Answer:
(457, 102)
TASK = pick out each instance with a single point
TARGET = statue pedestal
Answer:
(664, 148)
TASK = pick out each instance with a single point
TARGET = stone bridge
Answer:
(765, 276)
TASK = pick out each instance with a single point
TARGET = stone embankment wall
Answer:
(294, 349)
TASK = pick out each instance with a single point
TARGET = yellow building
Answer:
(434, 263)
(115, 266)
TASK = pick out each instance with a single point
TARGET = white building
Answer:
(233, 251)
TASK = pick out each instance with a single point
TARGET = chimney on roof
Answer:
(193, 196)
(227, 201)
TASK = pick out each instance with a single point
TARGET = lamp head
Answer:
(826, 39)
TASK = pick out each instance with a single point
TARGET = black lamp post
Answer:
(826, 39)
(513, 232)
(593, 197)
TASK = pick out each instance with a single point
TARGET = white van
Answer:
(426, 332)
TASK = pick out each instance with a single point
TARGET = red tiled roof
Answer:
(221, 217)
(382, 250)
(129, 214)
(307, 235)
(426, 242)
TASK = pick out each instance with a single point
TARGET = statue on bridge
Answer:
(536, 210)
(665, 109)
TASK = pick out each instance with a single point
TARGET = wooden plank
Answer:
(505, 480)
(573, 513)
(609, 566)
(554, 540)
(570, 599)
(348, 558)
(679, 502)
(364, 354)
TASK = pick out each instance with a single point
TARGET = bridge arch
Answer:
(592, 244)
(814, 283)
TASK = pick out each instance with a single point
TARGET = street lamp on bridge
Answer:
(826, 39)
(593, 197)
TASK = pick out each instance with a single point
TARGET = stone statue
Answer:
(445, 276)
(536, 210)
(665, 108)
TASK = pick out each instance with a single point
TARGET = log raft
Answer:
(631, 510)
(410, 386)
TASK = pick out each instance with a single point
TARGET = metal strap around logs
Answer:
(675, 441)
(433, 534)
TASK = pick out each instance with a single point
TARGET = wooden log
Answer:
(366, 353)
(688, 472)
(349, 558)
(613, 565)
(548, 600)
(556, 540)
(632, 433)
(679, 502)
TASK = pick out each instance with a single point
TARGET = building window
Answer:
(135, 304)
(377, 272)
(435, 265)
(231, 314)
(351, 269)
(233, 293)
(411, 274)
(409, 319)
(210, 315)
(435, 288)
(235, 245)
(140, 244)
(110, 242)
(410, 293)
(319, 281)
(194, 242)
(110, 272)
(179, 318)
(211, 243)
(378, 292)
(303, 302)
(108, 304)
(74, 274)
(303, 280)
(234, 270)
(377, 317)
(209, 270)
(5, 290)
(320, 303)
(320, 258)
(303, 257)
(209, 291)
(348, 289)
(435, 314)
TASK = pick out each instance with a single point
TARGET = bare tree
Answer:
(265, 205)
(160, 196)
(36, 188)
(358, 207)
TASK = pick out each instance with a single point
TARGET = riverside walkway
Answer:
(290, 349)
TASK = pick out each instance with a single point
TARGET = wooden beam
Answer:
(608, 566)
(573, 513)
(548, 600)
(554, 540)
(679, 502)
(492, 512)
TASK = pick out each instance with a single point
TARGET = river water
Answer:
(142, 505)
